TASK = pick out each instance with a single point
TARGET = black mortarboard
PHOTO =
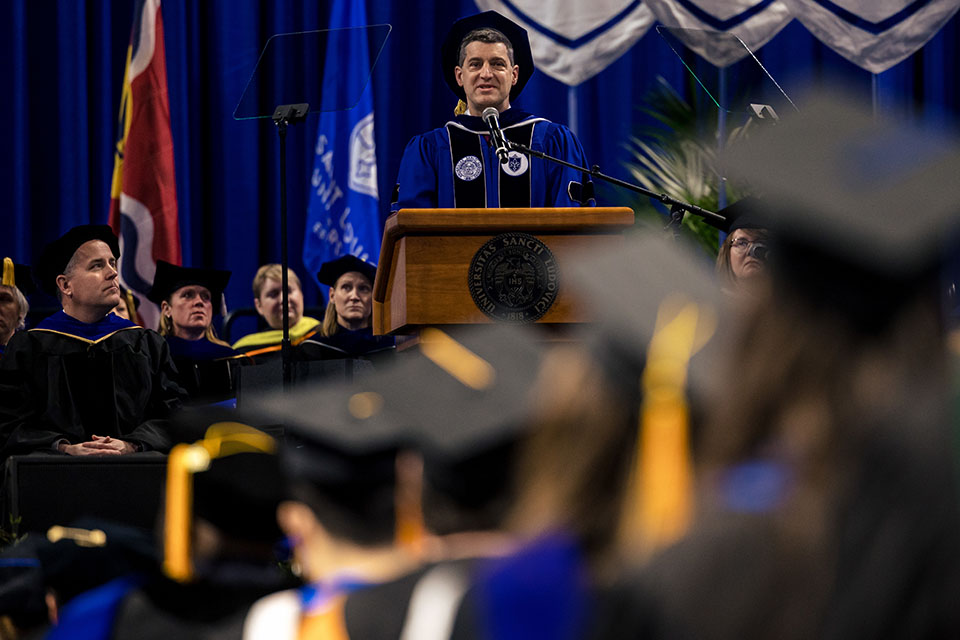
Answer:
(339, 456)
(17, 275)
(230, 478)
(70, 560)
(473, 387)
(859, 207)
(457, 399)
(239, 494)
(339, 439)
(170, 277)
(331, 271)
(649, 280)
(745, 213)
(56, 255)
(517, 35)
(470, 404)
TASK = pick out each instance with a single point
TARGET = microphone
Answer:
(490, 115)
(759, 251)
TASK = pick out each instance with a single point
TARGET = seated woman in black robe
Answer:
(204, 362)
(13, 303)
(347, 330)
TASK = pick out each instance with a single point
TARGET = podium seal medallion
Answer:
(514, 278)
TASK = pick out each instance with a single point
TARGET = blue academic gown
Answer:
(456, 166)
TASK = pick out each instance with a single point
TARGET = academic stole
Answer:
(472, 194)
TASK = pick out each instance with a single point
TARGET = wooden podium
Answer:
(426, 254)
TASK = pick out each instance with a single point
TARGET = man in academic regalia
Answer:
(486, 61)
(88, 382)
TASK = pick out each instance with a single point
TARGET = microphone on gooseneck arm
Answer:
(490, 115)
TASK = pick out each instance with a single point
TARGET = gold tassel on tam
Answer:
(660, 492)
(410, 530)
(460, 109)
(9, 273)
(222, 439)
(132, 307)
(459, 362)
(80, 537)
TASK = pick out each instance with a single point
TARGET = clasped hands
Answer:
(99, 446)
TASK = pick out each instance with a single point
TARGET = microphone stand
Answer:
(283, 116)
(677, 207)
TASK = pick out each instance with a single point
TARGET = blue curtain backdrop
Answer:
(62, 66)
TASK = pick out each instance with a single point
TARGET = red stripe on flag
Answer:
(147, 165)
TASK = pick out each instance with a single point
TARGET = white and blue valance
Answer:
(755, 22)
(572, 41)
(873, 34)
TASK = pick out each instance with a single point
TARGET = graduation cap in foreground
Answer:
(339, 454)
(471, 406)
(17, 275)
(651, 282)
(170, 277)
(859, 208)
(331, 271)
(657, 321)
(517, 35)
(57, 254)
(231, 479)
(70, 560)
(456, 400)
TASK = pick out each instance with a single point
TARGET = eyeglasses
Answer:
(742, 244)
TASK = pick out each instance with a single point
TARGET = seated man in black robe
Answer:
(88, 382)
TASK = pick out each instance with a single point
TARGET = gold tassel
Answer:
(459, 362)
(660, 492)
(132, 307)
(460, 109)
(410, 532)
(184, 460)
(222, 439)
(80, 537)
(9, 273)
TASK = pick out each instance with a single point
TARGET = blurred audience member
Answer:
(220, 538)
(828, 449)
(339, 513)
